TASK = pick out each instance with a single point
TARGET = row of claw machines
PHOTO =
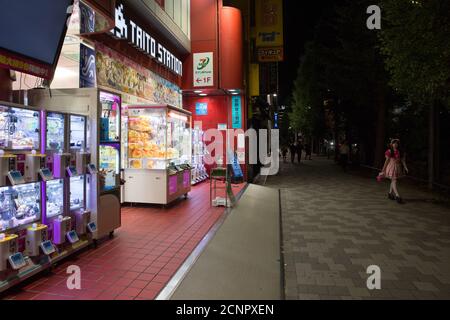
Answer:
(50, 197)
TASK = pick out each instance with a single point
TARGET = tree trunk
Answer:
(431, 144)
(380, 135)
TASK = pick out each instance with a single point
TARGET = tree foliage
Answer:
(415, 41)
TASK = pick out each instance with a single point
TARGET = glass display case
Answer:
(158, 154)
(55, 198)
(77, 132)
(158, 137)
(77, 193)
(199, 150)
(19, 128)
(109, 160)
(55, 131)
(109, 147)
(19, 205)
(110, 117)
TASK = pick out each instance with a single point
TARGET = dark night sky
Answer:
(300, 18)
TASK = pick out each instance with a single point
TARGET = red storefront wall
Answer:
(219, 112)
(216, 29)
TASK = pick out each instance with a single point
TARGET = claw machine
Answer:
(56, 187)
(158, 154)
(99, 160)
(109, 161)
(79, 182)
(21, 232)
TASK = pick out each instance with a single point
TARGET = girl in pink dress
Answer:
(394, 168)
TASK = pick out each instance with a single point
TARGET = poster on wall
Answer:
(236, 111)
(203, 69)
(120, 73)
(87, 67)
(87, 19)
(201, 109)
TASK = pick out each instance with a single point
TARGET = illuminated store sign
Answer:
(139, 38)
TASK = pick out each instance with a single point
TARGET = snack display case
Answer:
(19, 128)
(157, 154)
(55, 198)
(199, 172)
(19, 206)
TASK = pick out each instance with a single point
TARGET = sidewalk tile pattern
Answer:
(139, 261)
(336, 225)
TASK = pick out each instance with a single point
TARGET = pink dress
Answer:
(394, 168)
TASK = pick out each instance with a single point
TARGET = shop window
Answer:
(177, 12)
(169, 8)
(161, 3)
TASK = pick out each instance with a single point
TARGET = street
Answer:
(336, 225)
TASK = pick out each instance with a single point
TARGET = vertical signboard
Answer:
(269, 23)
(269, 30)
(87, 67)
(236, 112)
(203, 69)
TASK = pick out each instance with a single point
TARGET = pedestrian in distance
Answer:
(299, 151)
(284, 151)
(344, 152)
(394, 168)
(308, 151)
(292, 151)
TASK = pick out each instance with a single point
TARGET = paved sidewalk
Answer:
(336, 224)
(242, 260)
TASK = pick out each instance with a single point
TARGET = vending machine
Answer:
(56, 186)
(101, 110)
(22, 167)
(79, 183)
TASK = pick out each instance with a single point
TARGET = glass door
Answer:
(55, 198)
(77, 193)
(55, 132)
(109, 166)
(109, 118)
(77, 132)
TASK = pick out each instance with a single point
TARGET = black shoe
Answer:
(391, 196)
(399, 200)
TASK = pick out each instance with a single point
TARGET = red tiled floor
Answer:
(144, 255)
